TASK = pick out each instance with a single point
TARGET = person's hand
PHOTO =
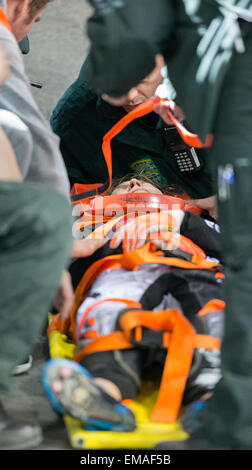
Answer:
(4, 66)
(114, 101)
(161, 109)
(209, 204)
(65, 296)
(87, 247)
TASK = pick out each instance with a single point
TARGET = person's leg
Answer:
(229, 416)
(35, 243)
(73, 391)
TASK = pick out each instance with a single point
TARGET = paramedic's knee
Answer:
(55, 218)
(20, 138)
(43, 221)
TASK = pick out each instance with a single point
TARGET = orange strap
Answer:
(151, 319)
(116, 340)
(148, 254)
(4, 20)
(132, 260)
(181, 341)
(179, 337)
(190, 139)
(128, 302)
(215, 305)
(110, 262)
(145, 108)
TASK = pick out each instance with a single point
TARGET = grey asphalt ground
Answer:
(59, 45)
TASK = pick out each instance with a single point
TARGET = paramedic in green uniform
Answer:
(211, 68)
(82, 118)
(35, 218)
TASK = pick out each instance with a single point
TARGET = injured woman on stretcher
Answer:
(148, 303)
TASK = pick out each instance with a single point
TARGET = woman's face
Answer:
(134, 185)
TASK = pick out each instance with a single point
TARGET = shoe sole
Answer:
(80, 397)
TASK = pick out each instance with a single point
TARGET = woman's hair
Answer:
(170, 190)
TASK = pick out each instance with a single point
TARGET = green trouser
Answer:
(35, 243)
(229, 415)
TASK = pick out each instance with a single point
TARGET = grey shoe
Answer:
(18, 435)
(72, 391)
(24, 366)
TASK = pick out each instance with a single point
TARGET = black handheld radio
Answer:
(186, 157)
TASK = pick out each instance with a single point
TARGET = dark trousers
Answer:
(229, 417)
(35, 243)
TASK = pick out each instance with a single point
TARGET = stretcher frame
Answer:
(147, 433)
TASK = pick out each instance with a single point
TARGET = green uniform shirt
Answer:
(197, 38)
(81, 119)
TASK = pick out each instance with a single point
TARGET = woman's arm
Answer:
(9, 170)
(84, 248)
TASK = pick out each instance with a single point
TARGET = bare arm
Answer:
(84, 248)
(9, 170)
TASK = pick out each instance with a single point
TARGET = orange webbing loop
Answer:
(189, 138)
(141, 110)
(130, 303)
(131, 260)
(122, 339)
(134, 319)
(114, 341)
(181, 344)
(147, 254)
(145, 108)
(110, 262)
(4, 20)
(178, 360)
(181, 339)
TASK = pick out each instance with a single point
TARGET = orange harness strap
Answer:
(181, 339)
(147, 107)
(193, 140)
(148, 254)
(131, 260)
(4, 20)
(214, 305)
(128, 302)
